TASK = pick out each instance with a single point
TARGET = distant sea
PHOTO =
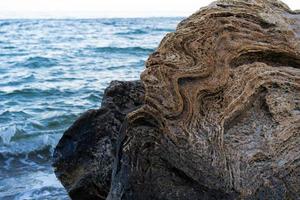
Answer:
(51, 71)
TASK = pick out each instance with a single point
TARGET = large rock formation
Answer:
(220, 118)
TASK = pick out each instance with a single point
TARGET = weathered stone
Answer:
(83, 157)
(221, 113)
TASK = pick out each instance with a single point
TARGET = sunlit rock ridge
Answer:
(216, 115)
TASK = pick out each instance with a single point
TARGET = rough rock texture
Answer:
(83, 158)
(221, 113)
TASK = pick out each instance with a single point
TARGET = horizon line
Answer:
(73, 17)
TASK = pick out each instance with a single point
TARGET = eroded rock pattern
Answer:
(223, 100)
(221, 114)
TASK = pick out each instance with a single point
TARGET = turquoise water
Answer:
(51, 71)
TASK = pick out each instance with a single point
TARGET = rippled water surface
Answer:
(51, 71)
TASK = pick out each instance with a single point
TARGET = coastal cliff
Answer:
(216, 115)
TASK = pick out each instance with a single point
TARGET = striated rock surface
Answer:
(220, 118)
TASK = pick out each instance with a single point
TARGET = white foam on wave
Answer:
(7, 133)
(27, 144)
(38, 184)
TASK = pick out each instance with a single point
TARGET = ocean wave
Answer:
(7, 134)
(93, 97)
(13, 115)
(110, 23)
(34, 92)
(54, 122)
(12, 54)
(19, 81)
(125, 50)
(45, 186)
(9, 47)
(4, 24)
(133, 32)
(37, 62)
(140, 63)
(163, 29)
(14, 133)
(34, 153)
(32, 145)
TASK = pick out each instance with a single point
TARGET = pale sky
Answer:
(104, 8)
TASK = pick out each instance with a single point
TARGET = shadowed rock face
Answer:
(221, 114)
(83, 157)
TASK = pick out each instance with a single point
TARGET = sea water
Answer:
(51, 71)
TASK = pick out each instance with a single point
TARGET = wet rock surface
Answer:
(220, 118)
(83, 158)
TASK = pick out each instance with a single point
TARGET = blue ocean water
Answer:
(51, 71)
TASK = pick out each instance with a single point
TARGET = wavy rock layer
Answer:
(221, 113)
